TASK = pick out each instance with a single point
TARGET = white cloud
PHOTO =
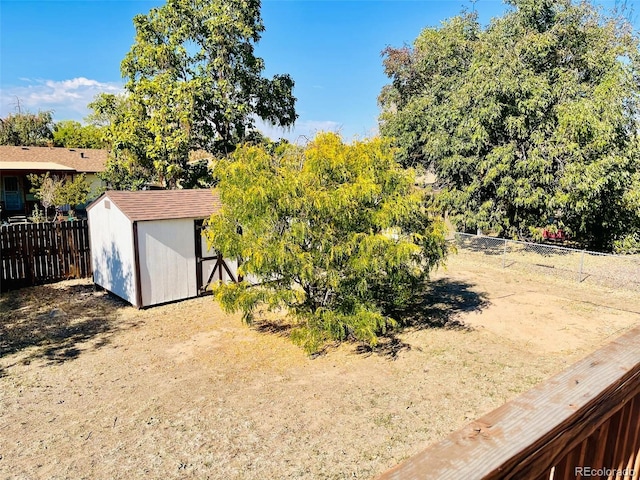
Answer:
(67, 99)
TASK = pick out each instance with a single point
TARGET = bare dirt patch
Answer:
(92, 388)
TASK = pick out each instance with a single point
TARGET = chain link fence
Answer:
(617, 271)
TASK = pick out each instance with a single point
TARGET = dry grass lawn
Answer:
(92, 388)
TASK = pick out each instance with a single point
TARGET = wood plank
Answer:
(614, 443)
(33, 241)
(197, 228)
(50, 252)
(41, 253)
(635, 442)
(77, 250)
(7, 254)
(88, 267)
(45, 252)
(527, 436)
(636, 466)
(631, 435)
(59, 240)
(64, 254)
(34, 248)
(566, 468)
(21, 239)
(9, 257)
(136, 257)
(17, 252)
(622, 452)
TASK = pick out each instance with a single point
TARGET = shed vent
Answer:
(107, 204)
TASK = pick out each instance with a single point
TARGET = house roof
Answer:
(34, 166)
(82, 160)
(163, 204)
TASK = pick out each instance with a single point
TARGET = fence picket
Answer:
(34, 253)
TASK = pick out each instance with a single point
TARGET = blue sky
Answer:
(56, 55)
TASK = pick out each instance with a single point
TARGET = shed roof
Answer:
(164, 204)
(82, 160)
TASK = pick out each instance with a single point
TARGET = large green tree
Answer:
(193, 82)
(72, 134)
(337, 234)
(531, 121)
(111, 115)
(127, 168)
(27, 129)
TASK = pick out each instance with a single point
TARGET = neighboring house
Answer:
(16, 163)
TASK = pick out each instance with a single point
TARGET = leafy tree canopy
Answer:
(72, 134)
(124, 170)
(530, 121)
(193, 82)
(27, 129)
(59, 191)
(337, 234)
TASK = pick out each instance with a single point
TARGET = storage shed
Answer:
(147, 246)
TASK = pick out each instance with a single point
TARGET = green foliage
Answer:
(628, 245)
(56, 191)
(193, 82)
(74, 192)
(46, 189)
(531, 121)
(72, 134)
(120, 174)
(128, 167)
(27, 129)
(337, 234)
(197, 174)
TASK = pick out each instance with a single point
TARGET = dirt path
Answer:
(91, 388)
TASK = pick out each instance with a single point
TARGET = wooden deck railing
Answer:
(584, 423)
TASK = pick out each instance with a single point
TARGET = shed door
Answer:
(210, 266)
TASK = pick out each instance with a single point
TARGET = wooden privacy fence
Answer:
(584, 423)
(37, 253)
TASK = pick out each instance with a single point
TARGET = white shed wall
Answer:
(112, 256)
(167, 260)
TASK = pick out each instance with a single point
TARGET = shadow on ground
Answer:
(282, 329)
(439, 305)
(56, 322)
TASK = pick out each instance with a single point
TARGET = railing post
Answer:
(504, 254)
(581, 266)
